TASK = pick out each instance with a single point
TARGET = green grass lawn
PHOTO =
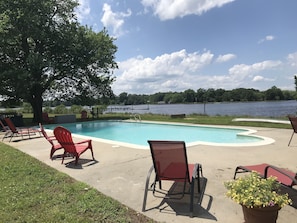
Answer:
(31, 191)
(215, 120)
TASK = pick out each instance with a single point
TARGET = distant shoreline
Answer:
(251, 109)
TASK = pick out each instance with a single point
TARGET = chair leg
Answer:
(200, 169)
(192, 195)
(146, 187)
(239, 169)
(76, 161)
(5, 136)
(11, 137)
(154, 184)
(194, 178)
(291, 138)
(199, 176)
(92, 153)
(52, 153)
(235, 173)
(63, 156)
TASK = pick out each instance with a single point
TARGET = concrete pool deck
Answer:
(120, 172)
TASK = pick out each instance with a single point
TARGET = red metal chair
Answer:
(51, 140)
(47, 119)
(14, 131)
(170, 163)
(5, 129)
(64, 137)
(284, 176)
(84, 115)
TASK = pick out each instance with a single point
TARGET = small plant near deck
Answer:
(254, 191)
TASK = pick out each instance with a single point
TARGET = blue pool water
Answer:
(139, 132)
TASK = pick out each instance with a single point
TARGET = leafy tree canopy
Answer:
(44, 51)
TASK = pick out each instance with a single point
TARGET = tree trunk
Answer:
(36, 102)
(37, 110)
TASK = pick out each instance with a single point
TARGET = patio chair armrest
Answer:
(146, 189)
(197, 172)
(84, 141)
(281, 171)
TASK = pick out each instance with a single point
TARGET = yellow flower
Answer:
(254, 191)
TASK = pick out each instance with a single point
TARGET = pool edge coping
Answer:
(248, 132)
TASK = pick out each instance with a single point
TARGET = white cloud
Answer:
(181, 70)
(164, 73)
(267, 38)
(258, 78)
(171, 9)
(292, 59)
(114, 20)
(225, 58)
(174, 64)
(243, 74)
(83, 10)
(244, 70)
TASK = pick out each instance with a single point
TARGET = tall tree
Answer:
(189, 95)
(274, 93)
(44, 51)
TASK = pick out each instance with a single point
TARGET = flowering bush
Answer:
(254, 191)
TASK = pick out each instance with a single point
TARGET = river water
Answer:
(252, 109)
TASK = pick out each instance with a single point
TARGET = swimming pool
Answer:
(137, 133)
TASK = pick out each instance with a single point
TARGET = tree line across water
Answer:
(187, 96)
(206, 95)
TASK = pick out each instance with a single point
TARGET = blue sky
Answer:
(175, 45)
